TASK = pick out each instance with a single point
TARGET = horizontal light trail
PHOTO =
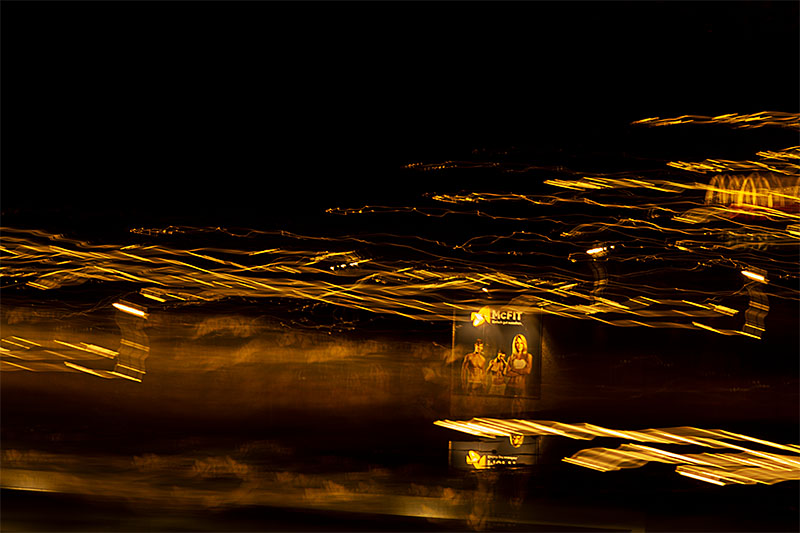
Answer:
(745, 466)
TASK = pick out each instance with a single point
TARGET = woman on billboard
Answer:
(519, 367)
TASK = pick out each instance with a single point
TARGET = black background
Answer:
(263, 113)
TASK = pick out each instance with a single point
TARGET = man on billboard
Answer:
(472, 370)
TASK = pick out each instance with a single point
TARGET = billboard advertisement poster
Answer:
(496, 353)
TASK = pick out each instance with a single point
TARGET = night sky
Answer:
(263, 113)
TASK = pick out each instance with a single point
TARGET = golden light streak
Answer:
(701, 306)
(9, 353)
(720, 165)
(601, 431)
(746, 334)
(140, 371)
(152, 297)
(709, 328)
(724, 310)
(70, 345)
(701, 478)
(754, 276)
(25, 340)
(751, 121)
(131, 378)
(16, 365)
(793, 152)
(91, 348)
(99, 350)
(787, 447)
(84, 369)
(15, 344)
(670, 455)
(135, 345)
(58, 354)
(584, 464)
(130, 310)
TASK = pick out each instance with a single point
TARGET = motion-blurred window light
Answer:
(130, 310)
(599, 250)
(754, 276)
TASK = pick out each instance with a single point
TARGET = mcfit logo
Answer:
(482, 461)
(496, 316)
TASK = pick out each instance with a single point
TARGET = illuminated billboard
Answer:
(496, 355)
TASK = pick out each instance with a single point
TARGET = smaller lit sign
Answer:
(484, 460)
(517, 451)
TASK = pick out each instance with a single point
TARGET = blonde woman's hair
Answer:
(524, 344)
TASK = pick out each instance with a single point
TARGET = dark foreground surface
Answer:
(335, 432)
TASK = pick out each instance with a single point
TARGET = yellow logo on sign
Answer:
(487, 315)
(480, 461)
(477, 460)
